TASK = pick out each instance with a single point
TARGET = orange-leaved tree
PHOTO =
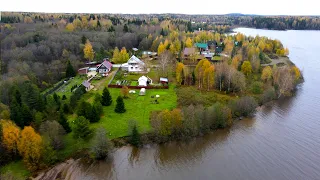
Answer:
(30, 147)
(10, 135)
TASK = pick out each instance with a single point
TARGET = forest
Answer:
(40, 127)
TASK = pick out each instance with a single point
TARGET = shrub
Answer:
(256, 87)
(244, 106)
(120, 105)
(81, 128)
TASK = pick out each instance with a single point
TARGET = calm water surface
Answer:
(281, 142)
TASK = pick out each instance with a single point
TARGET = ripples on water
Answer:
(281, 142)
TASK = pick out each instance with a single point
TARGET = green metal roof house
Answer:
(201, 45)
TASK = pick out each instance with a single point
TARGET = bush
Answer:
(244, 106)
(256, 87)
(268, 95)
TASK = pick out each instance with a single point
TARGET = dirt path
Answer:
(282, 60)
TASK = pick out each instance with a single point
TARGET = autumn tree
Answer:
(179, 73)
(166, 60)
(124, 56)
(116, 55)
(30, 147)
(88, 51)
(266, 73)
(106, 99)
(10, 136)
(283, 78)
(296, 72)
(235, 61)
(161, 48)
(209, 77)
(246, 68)
(188, 42)
(70, 27)
(125, 91)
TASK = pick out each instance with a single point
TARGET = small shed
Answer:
(142, 92)
(87, 85)
(164, 80)
(84, 70)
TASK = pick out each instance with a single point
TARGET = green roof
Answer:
(201, 45)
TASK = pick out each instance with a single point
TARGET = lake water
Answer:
(281, 142)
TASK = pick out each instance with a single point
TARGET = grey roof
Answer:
(106, 64)
(86, 84)
(189, 51)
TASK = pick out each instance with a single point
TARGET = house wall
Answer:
(135, 68)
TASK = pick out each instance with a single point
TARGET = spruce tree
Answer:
(15, 113)
(70, 72)
(120, 105)
(135, 136)
(81, 128)
(125, 28)
(83, 39)
(26, 115)
(94, 115)
(106, 98)
(64, 123)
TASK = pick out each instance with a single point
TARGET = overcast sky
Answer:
(266, 7)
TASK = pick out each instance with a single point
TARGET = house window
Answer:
(131, 67)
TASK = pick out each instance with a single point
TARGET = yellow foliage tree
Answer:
(84, 22)
(208, 79)
(124, 56)
(161, 48)
(179, 73)
(246, 68)
(239, 37)
(88, 51)
(77, 23)
(166, 120)
(30, 147)
(70, 27)
(262, 45)
(116, 55)
(266, 73)
(176, 119)
(235, 62)
(188, 42)
(296, 72)
(10, 135)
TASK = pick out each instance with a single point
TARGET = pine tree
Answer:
(26, 115)
(70, 72)
(135, 136)
(125, 28)
(83, 39)
(64, 123)
(120, 105)
(162, 32)
(15, 113)
(94, 115)
(106, 98)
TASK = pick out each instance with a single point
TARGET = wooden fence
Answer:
(138, 87)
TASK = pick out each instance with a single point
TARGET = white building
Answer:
(134, 64)
(144, 81)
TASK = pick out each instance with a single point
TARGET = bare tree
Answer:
(166, 61)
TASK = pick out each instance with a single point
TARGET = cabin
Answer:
(201, 46)
(87, 85)
(83, 71)
(187, 52)
(164, 81)
(134, 64)
(144, 81)
(104, 68)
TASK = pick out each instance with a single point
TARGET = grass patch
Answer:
(66, 88)
(17, 168)
(216, 58)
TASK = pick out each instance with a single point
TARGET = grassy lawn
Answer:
(17, 168)
(216, 58)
